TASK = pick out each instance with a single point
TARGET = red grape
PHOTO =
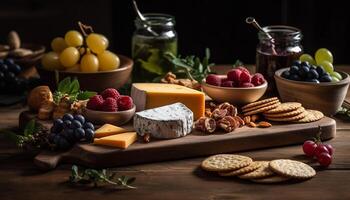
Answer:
(324, 159)
(329, 148)
(320, 149)
(309, 148)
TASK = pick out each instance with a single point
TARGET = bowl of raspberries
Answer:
(110, 107)
(238, 86)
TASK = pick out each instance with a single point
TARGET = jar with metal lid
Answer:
(149, 43)
(277, 52)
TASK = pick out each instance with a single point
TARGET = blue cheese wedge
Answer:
(166, 122)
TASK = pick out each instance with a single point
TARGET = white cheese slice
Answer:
(166, 122)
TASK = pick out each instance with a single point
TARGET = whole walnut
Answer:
(38, 96)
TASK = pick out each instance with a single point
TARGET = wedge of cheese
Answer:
(107, 130)
(122, 140)
(153, 95)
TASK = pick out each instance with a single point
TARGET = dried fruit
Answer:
(205, 124)
(264, 124)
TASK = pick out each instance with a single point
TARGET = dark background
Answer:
(217, 24)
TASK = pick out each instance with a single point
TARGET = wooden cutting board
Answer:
(195, 144)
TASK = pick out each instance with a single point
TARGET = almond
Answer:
(252, 124)
(264, 124)
(246, 119)
(13, 40)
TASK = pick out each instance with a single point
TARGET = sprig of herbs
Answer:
(344, 113)
(94, 176)
(72, 89)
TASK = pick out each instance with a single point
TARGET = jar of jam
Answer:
(149, 43)
(277, 49)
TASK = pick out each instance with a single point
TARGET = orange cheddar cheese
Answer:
(153, 95)
(122, 140)
(107, 130)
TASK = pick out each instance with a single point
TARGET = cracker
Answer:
(288, 119)
(292, 169)
(263, 109)
(286, 114)
(260, 106)
(253, 166)
(225, 162)
(271, 179)
(311, 116)
(262, 172)
(259, 102)
(285, 107)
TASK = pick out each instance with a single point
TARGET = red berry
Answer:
(309, 148)
(125, 103)
(246, 85)
(110, 105)
(245, 77)
(329, 148)
(320, 149)
(227, 84)
(243, 69)
(258, 79)
(213, 80)
(234, 75)
(110, 92)
(324, 159)
(95, 102)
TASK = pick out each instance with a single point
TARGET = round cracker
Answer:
(225, 162)
(311, 116)
(262, 172)
(271, 179)
(288, 119)
(285, 107)
(292, 169)
(261, 105)
(253, 166)
(263, 109)
(286, 114)
(259, 102)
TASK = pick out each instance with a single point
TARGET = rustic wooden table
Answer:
(183, 179)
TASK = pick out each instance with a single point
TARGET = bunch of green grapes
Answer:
(78, 52)
(323, 58)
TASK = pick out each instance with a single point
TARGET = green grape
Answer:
(336, 74)
(327, 66)
(334, 79)
(69, 57)
(51, 61)
(74, 38)
(89, 63)
(308, 58)
(96, 43)
(108, 61)
(58, 44)
(323, 54)
(104, 39)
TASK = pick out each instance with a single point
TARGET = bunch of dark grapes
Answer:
(69, 130)
(39, 139)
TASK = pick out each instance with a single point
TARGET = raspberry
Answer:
(258, 79)
(125, 103)
(213, 80)
(110, 105)
(246, 85)
(95, 102)
(245, 77)
(243, 69)
(110, 92)
(227, 84)
(234, 75)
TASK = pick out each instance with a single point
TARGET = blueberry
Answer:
(303, 71)
(294, 69)
(286, 74)
(67, 123)
(4, 68)
(305, 63)
(67, 117)
(80, 118)
(326, 78)
(295, 77)
(320, 71)
(16, 69)
(297, 63)
(89, 125)
(58, 122)
(313, 80)
(89, 134)
(312, 74)
(76, 124)
(79, 133)
(63, 144)
(9, 61)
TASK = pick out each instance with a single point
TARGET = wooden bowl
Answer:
(325, 97)
(101, 117)
(97, 81)
(234, 95)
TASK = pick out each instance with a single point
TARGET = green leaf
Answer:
(74, 87)
(64, 85)
(152, 63)
(85, 95)
(30, 128)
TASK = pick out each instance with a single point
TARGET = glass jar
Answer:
(148, 48)
(278, 52)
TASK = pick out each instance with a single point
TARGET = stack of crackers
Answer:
(244, 167)
(274, 110)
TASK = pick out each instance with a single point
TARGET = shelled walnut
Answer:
(205, 124)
